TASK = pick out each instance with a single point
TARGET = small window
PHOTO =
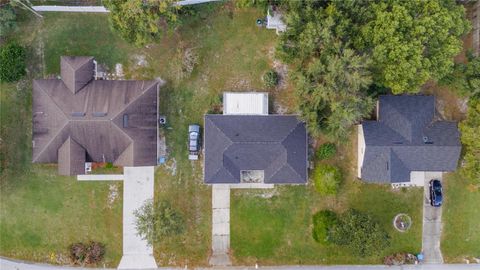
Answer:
(252, 176)
(125, 120)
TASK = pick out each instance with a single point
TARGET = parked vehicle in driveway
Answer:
(436, 193)
(193, 142)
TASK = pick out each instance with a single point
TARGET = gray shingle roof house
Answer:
(78, 119)
(406, 138)
(255, 149)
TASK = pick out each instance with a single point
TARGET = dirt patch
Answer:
(112, 195)
(280, 68)
(171, 166)
(449, 106)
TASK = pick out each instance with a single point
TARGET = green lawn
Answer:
(277, 230)
(461, 219)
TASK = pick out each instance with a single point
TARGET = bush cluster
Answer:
(86, 253)
(323, 222)
(270, 78)
(399, 259)
(326, 151)
(327, 179)
(361, 233)
(12, 62)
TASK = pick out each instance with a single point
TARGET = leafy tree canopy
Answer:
(465, 79)
(331, 79)
(12, 62)
(142, 21)
(470, 130)
(342, 50)
(412, 41)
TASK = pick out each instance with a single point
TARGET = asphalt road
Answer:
(7, 264)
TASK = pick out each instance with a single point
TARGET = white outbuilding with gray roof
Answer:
(246, 103)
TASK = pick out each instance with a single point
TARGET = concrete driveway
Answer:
(432, 224)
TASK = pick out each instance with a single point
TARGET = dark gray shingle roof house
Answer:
(78, 119)
(406, 137)
(255, 148)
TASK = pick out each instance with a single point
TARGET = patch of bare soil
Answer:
(113, 194)
(449, 106)
(280, 68)
(171, 166)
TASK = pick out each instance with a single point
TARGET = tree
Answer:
(323, 222)
(155, 221)
(333, 90)
(412, 41)
(327, 179)
(470, 130)
(142, 21)
(360, 232)
(465, 78)
(8, 19)
(12, 62)
(331, 79)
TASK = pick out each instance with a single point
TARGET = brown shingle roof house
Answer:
(78, 119)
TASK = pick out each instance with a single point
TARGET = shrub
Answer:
(8, 19)
(323, 222)
(270, 78)
(91, 253)
(12, 62)
(77, 253)
(95, 252)
(157, 221)
(399, 259)
(326, 151)
(327, 179)
(361, 233)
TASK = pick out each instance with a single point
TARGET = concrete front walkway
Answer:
(137, 188)
(221, 220)
(220, 225)
(432, 224)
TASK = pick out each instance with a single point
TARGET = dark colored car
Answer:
(436, 193)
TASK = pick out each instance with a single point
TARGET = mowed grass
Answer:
(461, 219)
(278, 230)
